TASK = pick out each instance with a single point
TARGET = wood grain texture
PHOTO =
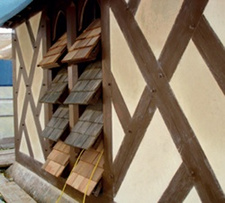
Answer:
(176, 44)
(211, 50)
(133, 5)
(84, 47)
(88, 87)
(57, 89)
(52, 57)
(108, 175)
(87, 130)
(179, 186)
(81, 174)
(58, 124)
(169, 108)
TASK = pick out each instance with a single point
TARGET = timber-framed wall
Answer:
(155, 56)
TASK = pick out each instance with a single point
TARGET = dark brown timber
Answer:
(212, 51)
(179, 187)
(180, 130)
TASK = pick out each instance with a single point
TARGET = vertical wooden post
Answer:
(72, 70)
(47, 77)
(108, 176)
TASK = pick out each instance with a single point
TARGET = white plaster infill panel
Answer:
(23, 145)
(192, 197)
(117, 132)
(156, 19)
(124, 67)
(35, 22)
(153, 167)
(25, 45)
(33, 135)
(203, 103)
(214, 13)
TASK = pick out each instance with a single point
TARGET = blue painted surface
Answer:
(5, 73)
(9, 8)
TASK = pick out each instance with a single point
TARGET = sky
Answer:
(4, 30)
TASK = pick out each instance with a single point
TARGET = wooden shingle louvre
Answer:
(86, 46)
(88, 88)
(87, 129)
(58, 159)
(57, 89)
(55, 53)
(57, 125)
(81, 175)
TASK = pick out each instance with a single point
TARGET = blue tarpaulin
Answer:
(9, 8)
(5, 73)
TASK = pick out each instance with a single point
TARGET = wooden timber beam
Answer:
(133, 5)
(180, 130)
(176, 43)
(212, 51)
(179, 186)
(108, 175)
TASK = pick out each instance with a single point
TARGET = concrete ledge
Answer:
(36, 187)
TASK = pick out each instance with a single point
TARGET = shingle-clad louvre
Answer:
(80, 175)
(58, 159)
(57, 125)
(55, 53)
(86, 46)
(88, 87)
(57, 87)
(87, 129)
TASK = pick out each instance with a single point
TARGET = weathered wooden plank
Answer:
(133, 5)
(84, 46)
(7, 157)
(179, 186)
(174, 118)
(85, 90)
(176, 44)
(7, 143)
(87, 129)
(212, 51)
(57, 87)
(107, 107)
(12, 192)
(134, 134)
(51, 58)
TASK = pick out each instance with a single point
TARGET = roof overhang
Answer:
(10, 8)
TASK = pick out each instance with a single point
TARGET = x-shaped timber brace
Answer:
(190, 23)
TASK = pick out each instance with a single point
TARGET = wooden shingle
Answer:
(80, 177)
(86, 46)
(55, 53)
(57, 88)
(87, 129)
(58, 159)
(88, 88)
(57, 125)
